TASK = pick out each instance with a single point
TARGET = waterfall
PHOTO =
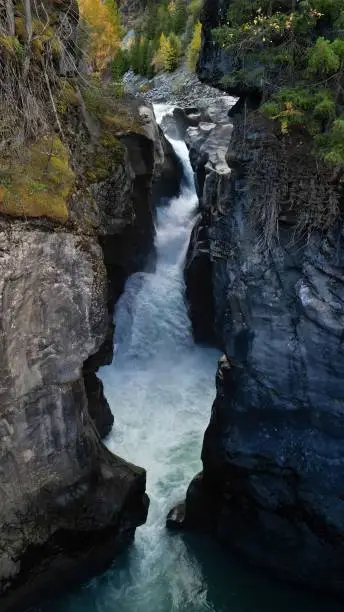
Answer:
(160, 387)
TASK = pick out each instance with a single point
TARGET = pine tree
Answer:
(144, 59)
(179, 17)
(135, 54)
(167, 57)
(175, 51)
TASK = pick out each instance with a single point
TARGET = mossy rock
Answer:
(66, 97)
(103, 158)
(38, 183)
(112, 112)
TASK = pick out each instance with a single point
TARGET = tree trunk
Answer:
(28, 20)
(10, 17)
(28, 28)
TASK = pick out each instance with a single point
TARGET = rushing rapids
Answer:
(160, 387)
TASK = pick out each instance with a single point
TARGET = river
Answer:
(161, 387)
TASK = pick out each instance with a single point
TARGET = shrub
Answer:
(277, 49)
(322, 59)
(120, 63)
(331, 145)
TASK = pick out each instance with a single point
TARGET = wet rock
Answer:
(171, 128)
(199, 288)
(176, 517)
(168, 181)
(271, 486)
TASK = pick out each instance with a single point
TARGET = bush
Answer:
(322, 59)
(281, 52)
(120, 64)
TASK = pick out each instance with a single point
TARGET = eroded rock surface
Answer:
(56, 477)
(273, 454)
(68, 505)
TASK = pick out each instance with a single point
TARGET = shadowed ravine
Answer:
(161, 387)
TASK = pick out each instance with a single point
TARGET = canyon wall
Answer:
(69, 505)
(77, 209)
(273, 454)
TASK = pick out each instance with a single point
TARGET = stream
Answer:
(161, 388)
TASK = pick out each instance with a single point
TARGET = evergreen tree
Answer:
(167, 57)
(135, 54)
(179, 17)
(144, 53)
(120, 64)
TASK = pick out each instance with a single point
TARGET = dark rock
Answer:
(168, 182)
(71, 556)
(273, 453)
(176, 517)
(199, 289)
(98, 406)
(214, 62)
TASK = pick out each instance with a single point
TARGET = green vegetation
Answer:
(46, 117)
(169, 52)
(112, 117)
(293, 53)
(168, 29)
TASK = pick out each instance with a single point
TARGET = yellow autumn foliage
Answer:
(104, 30)
(194, 47)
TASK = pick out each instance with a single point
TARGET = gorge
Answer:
(157, 230)
(160, 387)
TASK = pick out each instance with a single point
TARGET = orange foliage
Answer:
(103, 22)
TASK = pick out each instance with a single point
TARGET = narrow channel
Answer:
(160, 388)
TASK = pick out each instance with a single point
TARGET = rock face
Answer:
(57, 480)
(68, 505)
(273, 454)
(214, 61)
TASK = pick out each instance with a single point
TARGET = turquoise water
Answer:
(161, 388)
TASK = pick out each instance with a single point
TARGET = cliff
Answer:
(77, 217)
(271, 486)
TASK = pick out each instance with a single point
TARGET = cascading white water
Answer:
(160, 387)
